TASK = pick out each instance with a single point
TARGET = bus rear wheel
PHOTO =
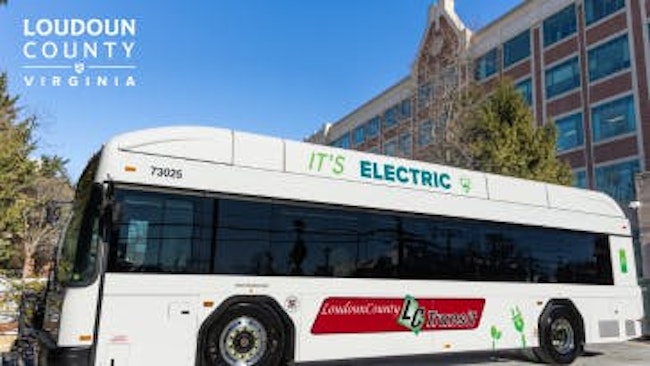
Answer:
(245, 335)
(560, 335)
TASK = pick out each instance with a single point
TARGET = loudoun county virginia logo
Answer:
(74, 52)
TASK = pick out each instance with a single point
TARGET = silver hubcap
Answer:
(243, 342)
(562, 336)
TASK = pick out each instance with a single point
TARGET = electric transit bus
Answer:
(203, 246)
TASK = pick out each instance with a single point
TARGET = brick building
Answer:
(583, 64)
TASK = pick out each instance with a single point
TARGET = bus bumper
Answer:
(65, 356)
(49, 354)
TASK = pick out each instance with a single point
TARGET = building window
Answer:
(516, 49)
(406, 108)
(486, 65)
(390, 117)
(598, 9)
(570, 133)
(613, 118)
(425, 94)
(425, 133)
(560, 25)
(609, 58)
(526, 89)
(562, 78)
(390, 148)
(617, 180)
(372, 127)
(405, 144)
(342, 142)
(580, 179)
(359, 135)
(373, 150)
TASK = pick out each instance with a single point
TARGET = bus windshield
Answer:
(78, 251)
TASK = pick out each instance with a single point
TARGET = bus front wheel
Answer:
(246, 334)
(561, 335)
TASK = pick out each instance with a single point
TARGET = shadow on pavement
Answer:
(589, 353)
(511, 357)
(449, 359)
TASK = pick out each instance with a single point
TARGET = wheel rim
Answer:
(562, 336)
(243, 342)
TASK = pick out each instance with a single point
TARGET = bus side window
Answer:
(378, 248)
(177, 235)
(243, 235)
(136, 242)
(162, 233)
(138, 227)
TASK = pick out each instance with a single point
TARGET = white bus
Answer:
(204, 246)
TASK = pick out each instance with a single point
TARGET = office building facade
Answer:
(581, 64)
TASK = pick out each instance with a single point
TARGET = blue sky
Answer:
(274, 67)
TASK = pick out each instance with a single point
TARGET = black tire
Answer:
(561, 335)
(245, 334)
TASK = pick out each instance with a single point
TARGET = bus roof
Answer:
(208, 146)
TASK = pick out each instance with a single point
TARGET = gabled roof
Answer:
(444, 9)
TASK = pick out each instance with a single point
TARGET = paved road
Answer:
(633, 353)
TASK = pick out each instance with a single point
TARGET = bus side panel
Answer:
(616, 316)
(154, 319)
(508, 320)
(143, 328)
(613, 317)
(623, 263)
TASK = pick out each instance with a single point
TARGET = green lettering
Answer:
(321, 158)
(427, 178)
(401, 174)
(365, 168)
(389, 172)
(411, 315)
(414, 174)
(375, 172)
(311, 161)
(338, 165)
(444, 181)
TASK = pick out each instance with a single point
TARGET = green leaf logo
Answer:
(496, 334)
(518, 322)
(623, 259)
(466, 184)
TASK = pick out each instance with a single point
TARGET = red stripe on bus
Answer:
(374, 315)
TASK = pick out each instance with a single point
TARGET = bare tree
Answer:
(447, 97)
(43, 222)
